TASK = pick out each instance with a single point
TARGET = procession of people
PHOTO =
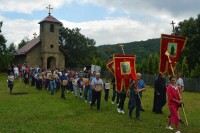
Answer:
(91, 85)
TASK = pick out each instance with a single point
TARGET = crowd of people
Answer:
(88, 85)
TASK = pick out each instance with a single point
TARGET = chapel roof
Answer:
(28, 46)
(50, 18)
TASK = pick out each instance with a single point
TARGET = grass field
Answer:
(28, 110)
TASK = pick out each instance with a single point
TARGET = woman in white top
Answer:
(10, 81)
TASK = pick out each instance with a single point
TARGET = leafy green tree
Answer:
(191, 29)
(80, 48)
(3, 49)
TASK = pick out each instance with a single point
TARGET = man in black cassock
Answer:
(159, 94)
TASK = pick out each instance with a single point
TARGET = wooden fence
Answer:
(190, 84)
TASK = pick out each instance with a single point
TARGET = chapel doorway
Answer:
(51, 62)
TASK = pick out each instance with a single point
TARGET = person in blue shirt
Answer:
(63, 81)
(136, 88)
(134, 100)
(141, 86)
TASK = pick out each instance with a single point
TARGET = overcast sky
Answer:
(105, 21)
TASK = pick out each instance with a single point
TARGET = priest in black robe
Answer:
(159, 94)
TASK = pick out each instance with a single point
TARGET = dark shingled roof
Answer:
(50, 18)
(28, 46)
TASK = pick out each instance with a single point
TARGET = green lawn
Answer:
(32, 111)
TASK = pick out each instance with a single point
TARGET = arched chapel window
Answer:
(51, 28)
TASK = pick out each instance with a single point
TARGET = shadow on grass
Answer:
(19, 93)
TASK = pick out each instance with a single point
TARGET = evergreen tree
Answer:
(185, 71)
(156, 63)
(144, 66)
(195, 73)
(150, 68)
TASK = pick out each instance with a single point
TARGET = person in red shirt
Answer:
(174, 102)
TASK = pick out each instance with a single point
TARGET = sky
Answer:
(105, 21)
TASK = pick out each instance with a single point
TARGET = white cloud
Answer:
(179, 9)
(154, 19)
(16, 30)
(28, 6)
(119, 30)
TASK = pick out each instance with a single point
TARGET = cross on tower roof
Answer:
(34, 35)
(122, 46)
(173, 26)
(49, 8)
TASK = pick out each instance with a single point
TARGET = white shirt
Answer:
(11, 78)
(180, 82)
(16, 70)
(98, 83)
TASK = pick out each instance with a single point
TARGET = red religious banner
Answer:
(124, 66)
(170, 49)
(110, 66)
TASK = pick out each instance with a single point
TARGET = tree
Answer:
(139, 68)
(2, 52)
(23, 42)
(1, 23)
(80, 48)
(150, 68)
(185, 71)
(144, 66)
(191, 29)
(178, 67)
(156, 63)
(195, 73)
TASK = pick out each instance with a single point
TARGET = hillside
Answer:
(141, 49)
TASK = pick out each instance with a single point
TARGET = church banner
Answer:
(110, 66)
(124, 69)
(170, 49)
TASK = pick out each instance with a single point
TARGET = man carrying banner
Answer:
(136, 88)
(141, 86)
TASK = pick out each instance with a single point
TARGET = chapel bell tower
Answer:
(49, 36)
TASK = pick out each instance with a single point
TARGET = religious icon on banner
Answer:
(98, 87)
(51, 77)
(64, 82)
(172, 49)
(107, 85)
(40, 77)
(55, 75)
(125, 67)
(48, 74)
(85, 81)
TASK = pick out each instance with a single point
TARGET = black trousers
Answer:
(63, 91)
(96, 96)
(134, 101)
(122, 97)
